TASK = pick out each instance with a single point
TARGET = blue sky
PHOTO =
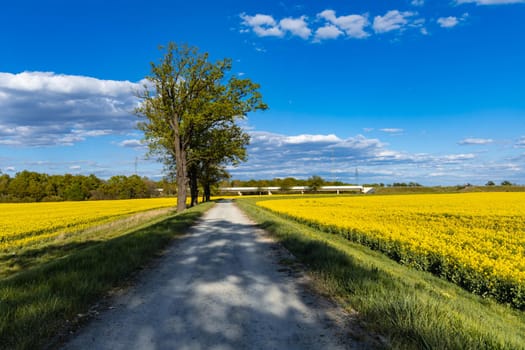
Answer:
(411, 90)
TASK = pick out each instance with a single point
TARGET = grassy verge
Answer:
(36, 303)
(411, 309)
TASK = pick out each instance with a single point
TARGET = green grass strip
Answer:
(410, 309)
(35, 304)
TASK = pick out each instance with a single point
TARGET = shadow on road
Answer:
(220, 287)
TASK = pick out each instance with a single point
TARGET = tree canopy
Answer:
(189, 109)
(29, 186)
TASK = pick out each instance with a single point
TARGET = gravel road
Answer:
(219, 287)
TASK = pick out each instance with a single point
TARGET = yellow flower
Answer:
(477, 237)
(32, 223)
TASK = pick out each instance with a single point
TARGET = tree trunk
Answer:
(182, 177)
(182, 184)
(207, 192)
(194, 185)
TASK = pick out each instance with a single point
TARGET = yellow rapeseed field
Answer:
(24, 224)
(476, 240)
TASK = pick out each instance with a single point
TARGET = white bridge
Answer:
(300, 189)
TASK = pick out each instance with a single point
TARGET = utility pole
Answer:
(136, 161)
(356, 176)
(332, 169)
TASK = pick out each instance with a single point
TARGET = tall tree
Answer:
(315, 182)
(218, 147)
(187, 96)
(4, 184)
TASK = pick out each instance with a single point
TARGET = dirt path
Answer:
(219, 287)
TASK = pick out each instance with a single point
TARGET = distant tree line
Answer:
(404, 184)
(283, 183)
(313, 182)
(503, 183)
(28, 186)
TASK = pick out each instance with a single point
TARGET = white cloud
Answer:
(520, 143)
(475, 141)
(458, 157)
(448, 22)
(311, 139)
(352, 25)
(419, 23)
(265, 25)
(451, 21)
(418, 2)
(392, 130)
(392, 20)
(132, 143)
(327, 25)
(62, 84)
(296, 26)
(272, 155)
(327, 32)
(92, 133)
(262, 25)
(332, 157)
(359, 142)
(75, 167)
(490, 2)
(276, 155)
(45, 109)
